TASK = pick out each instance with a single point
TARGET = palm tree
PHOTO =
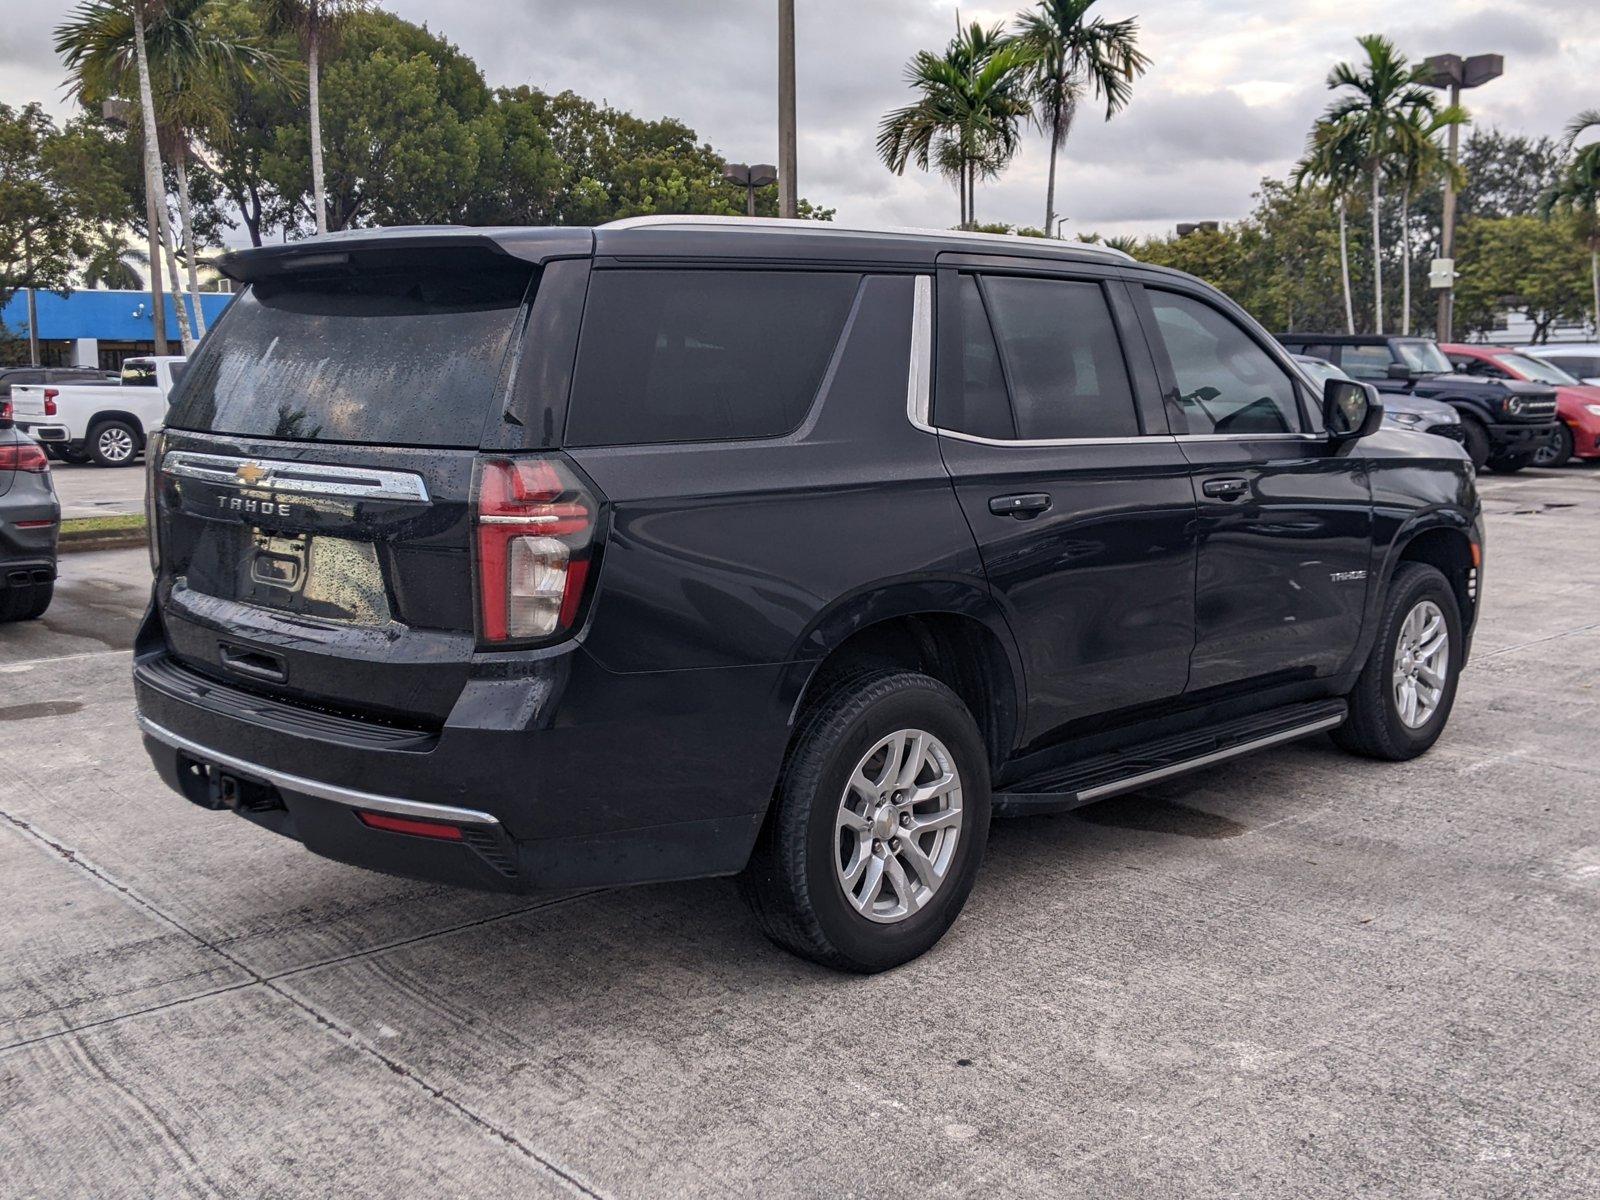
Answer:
(1387, 90)
(966, 122)
(1418, 158)
(315, 23)
(1071, 55)
(1578, 193)
(109, 267)
(97, 46)
(176, 63)
(1331, 162)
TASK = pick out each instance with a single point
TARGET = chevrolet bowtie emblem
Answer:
(249, 473)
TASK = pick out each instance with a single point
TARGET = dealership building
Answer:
(97, 328)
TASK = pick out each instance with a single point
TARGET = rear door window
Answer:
(709, 355)
(1062, 359)
(1365, 362)
(408, 357)
(1227, 384)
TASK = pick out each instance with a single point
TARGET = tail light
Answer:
(50, 395)
(535, 542)
(7, 413)
(152, 480)
(24, 456)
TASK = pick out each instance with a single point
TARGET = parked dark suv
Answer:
(1504, 423)
(553, 558)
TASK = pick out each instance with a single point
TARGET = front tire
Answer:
(1476, 439)
(1557, 452)
(114, 444)
(879, 825)
(1510, 464)
(1403, 697)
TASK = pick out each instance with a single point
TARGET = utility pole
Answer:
(1452, 72)
(33, 307)
(788, 193)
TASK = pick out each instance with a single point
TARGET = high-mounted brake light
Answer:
(24, 456)
(50, 395)
(535, 540)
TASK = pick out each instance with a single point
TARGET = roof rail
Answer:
(666, 220)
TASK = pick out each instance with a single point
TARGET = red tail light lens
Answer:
(429, 829)
(7, 413)
(50, 395)
(535, 541)
(23, 456)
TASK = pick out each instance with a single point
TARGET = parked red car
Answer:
(1578, 405)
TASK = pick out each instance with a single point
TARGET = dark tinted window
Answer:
(1226, 382)
(692, 356)
(976, 402)
(138, 372)
(1365, 362)
(1062, 358)
(406, 358)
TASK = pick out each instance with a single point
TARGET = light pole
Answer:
(1453, 72)
(788, 193)
(750, 178)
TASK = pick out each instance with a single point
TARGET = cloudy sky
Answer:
(1234, 86)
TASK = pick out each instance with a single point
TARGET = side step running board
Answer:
(1111, 774)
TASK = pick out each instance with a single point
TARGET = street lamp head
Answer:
(736, 173)
(1453, 71)
(117, 112)
(763, 175)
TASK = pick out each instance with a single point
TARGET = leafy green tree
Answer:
(56, 196)
(1577, 194)
(315, 23)
(966, 119)
(1523, 263)
(1379, 96)
(1070, 55)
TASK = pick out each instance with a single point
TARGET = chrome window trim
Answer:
(314, 787)
(306, 479)
(1025, 443)
(919, 371)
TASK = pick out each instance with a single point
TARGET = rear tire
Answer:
(1378, 726)
(25, 603)
(1557, 452)
(1510, 464)
(1476, 439)
(114, 444)
(850, 871)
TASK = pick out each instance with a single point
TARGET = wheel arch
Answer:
(950, 630)
(115, 414)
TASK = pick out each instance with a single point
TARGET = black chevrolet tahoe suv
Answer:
(562, 558)
(1504, 422)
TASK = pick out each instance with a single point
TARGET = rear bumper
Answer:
(558, 779)
(46, 432)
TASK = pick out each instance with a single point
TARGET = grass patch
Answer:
(117, 523)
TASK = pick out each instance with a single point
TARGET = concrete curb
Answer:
(78, 541)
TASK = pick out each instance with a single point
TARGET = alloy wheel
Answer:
(1421, 664)
(898, 825)
(115, 444)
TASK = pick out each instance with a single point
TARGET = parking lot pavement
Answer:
(1295, 975)
(90, 491)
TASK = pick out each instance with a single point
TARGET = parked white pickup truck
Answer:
(78, 423)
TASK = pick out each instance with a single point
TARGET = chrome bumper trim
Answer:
(313, 787)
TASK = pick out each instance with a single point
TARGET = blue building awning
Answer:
(112, 316)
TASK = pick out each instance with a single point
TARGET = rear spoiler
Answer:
(535, 244)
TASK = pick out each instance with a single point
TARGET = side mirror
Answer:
(1350, 409)
(1400, 371)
